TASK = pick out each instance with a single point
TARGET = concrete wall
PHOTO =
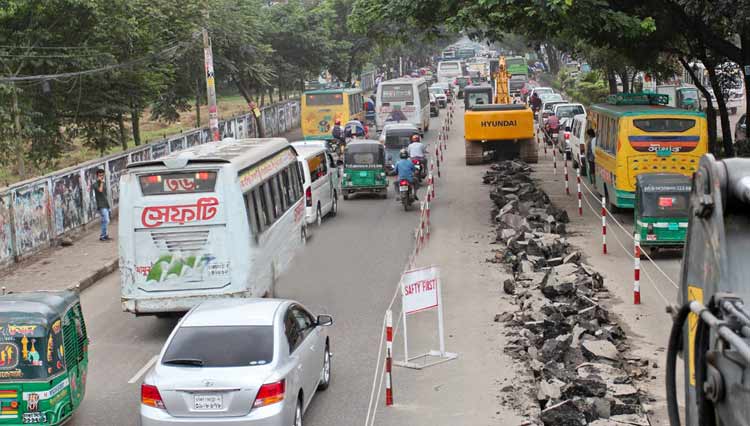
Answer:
(34, 213)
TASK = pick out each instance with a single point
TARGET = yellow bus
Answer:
(637, 134)
(321, 108)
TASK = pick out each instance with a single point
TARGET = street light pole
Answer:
(213, 111)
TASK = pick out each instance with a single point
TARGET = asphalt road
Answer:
(349, 268)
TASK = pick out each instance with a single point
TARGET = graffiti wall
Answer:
(33, 214)
(115, 168)
(31, 217)
(67, 202)
(6, 231)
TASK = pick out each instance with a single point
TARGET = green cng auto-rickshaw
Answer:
(364, 168)
(43, 357)
(661, 209)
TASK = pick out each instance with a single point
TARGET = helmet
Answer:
(337, 122)
(404, 153)
(415, 138)
(359, 131)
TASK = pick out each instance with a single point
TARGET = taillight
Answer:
(404, 182)
(153, 178)
(270, 393)
(201, 175)
(150, 396)
(567, 135)
(414, 161)
(308, 196)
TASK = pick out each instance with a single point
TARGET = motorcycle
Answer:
(406, 193)
(417, 170)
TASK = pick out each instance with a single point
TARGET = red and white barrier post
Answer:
(604, 225)
(580, 195)
(554, 160)
(565, 169)
(388, 357)
(637, 269)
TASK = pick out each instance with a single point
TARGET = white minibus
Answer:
(320, 180)
(403, 100)
(447, 71)
(222, 219)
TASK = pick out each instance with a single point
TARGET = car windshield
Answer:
(220, 346)
(543, 90)
(569, 110)
(437, 91)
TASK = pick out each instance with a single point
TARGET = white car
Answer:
(245, 361)
(321, 181)
(440, 96)
(578, 138)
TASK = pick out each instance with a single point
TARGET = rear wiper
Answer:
(185, 361)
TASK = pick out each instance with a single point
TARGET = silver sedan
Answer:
(255, 362)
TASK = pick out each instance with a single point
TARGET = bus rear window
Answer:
(323, 99)
(452, 66)
(397, 93)
(653, 125)
(178, 182)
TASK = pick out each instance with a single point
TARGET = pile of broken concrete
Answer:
(561, 329)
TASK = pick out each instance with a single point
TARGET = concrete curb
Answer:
(95, 276)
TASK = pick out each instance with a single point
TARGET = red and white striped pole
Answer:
(432, 185)
(388, 357)
(422, 209)
(637, 270)
(565, 168)
(580, 195)
(554, 160)
(604, 225)
(427, 215)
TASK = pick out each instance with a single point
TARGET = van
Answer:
(403, 100)
(320, 180)
(578, 138)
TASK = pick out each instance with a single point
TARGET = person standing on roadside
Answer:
(102, 203)
(590, 157)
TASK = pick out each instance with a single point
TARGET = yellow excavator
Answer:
(500, 129)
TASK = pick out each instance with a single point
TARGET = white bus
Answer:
(217, 220)
(403, 100)
(447, 71)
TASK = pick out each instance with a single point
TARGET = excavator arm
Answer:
(502, 93)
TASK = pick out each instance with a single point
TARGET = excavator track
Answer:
(528, 151)
(474, 153)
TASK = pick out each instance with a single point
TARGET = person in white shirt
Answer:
(419, 151)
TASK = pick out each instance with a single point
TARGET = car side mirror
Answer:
(324, 320)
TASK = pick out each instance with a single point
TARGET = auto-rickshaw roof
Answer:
(39, 307)
(362, 142)
(658, 182)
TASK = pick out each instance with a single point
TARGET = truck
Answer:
(517, 66)
(498, 129)
(683, 97)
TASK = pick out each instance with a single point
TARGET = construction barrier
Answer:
(637, 270)
(604, 225)
(388, 357)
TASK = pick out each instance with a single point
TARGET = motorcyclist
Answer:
(354, 129)
(536, 102)
(417, 150)
(405, 170)
(552, 126)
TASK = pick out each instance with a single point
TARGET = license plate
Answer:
(208, 402)
(650, 237)
(403, 188)
(35, 417)
(363, 174)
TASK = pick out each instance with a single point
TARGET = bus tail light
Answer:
(308, 196)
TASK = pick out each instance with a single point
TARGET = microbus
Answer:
(403, 100)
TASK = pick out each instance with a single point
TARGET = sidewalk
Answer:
(84, 263)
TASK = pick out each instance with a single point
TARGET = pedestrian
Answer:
(102, 203)
(590, 158)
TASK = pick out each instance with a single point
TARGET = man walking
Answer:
(102, 203)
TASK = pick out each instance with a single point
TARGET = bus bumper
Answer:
(172, 304)
(625, 199)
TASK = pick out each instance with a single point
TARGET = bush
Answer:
(591, 87)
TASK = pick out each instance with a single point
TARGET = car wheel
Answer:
(334, 205)
(325, 375)
(298, 414)
(319, 219)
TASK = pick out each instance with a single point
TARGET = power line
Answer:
(167, 51)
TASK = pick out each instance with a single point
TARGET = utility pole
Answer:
(213, 111)
(400, 66)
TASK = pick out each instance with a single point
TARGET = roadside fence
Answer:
(383, 367)
(590, 198)
(37, 212)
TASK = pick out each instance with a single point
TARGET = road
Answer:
(349, 269)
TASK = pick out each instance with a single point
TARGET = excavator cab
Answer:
(712, 326)
(477, 95)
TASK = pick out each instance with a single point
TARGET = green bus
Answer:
(43, 357)
(516, 65)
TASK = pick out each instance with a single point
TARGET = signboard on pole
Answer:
(420, 291)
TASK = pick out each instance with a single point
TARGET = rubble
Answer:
(572, 346)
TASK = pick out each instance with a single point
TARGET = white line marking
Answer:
(143, 370)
